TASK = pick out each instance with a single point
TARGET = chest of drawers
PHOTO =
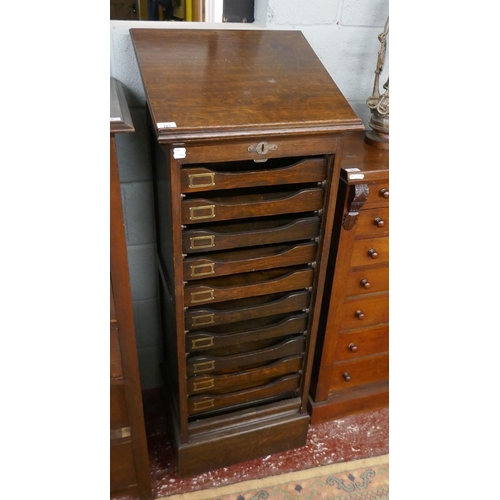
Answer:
(351, 370)
(248, 130)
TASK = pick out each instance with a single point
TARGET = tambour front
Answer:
(248, 130)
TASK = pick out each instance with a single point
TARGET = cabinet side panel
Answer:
(163, 214)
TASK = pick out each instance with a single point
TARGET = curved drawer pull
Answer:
(290, 347)
(248, 285)
(373, 253)
(294, 301)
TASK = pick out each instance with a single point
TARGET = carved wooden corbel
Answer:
(357, 198)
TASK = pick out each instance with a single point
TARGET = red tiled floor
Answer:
(350, 438)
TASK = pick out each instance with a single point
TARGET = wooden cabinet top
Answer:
(359, 158)
(119, 113)
(234, 83)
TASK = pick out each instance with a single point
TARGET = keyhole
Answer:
(262, 147)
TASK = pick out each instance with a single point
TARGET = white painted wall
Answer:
(343, 33)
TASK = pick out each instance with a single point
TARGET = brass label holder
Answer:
(205, 366)
(201, 242)
(203, 405)
(202, 296)
(203, 385)
(203, 320)
(202, 212)
(202, 343)
(201, 180)
(202, 270)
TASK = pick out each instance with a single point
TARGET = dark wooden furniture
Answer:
(129, 462)
(351, 370)
(248, 129)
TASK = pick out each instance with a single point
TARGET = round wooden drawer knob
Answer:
(365, 283)
(353, 347)
(384, 193)
(379, 222)
(373, 253)
(360, 314)
(346, 376)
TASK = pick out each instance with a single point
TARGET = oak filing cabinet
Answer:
(351, 369)
(248, 129)
(129, 461)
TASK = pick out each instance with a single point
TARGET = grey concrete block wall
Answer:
(343, 33)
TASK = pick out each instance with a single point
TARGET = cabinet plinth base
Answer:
(211, 452)
(370, 397)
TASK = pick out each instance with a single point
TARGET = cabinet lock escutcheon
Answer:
(262, 148)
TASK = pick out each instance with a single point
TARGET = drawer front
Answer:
(247, 285)
(284, 387)
(122, 466)
(357, 343)
(370, 251)
(203, 317)
(278, 147)
(246, 174)
(229, 236)
(118, 407)
(368, 280)
(243, 380)
(243, 261)
(366, 370)
(115, 356)
(365, 311)
(373, 222)
(213, 364)
(201, 341)
(378, 194)
(253, 205)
